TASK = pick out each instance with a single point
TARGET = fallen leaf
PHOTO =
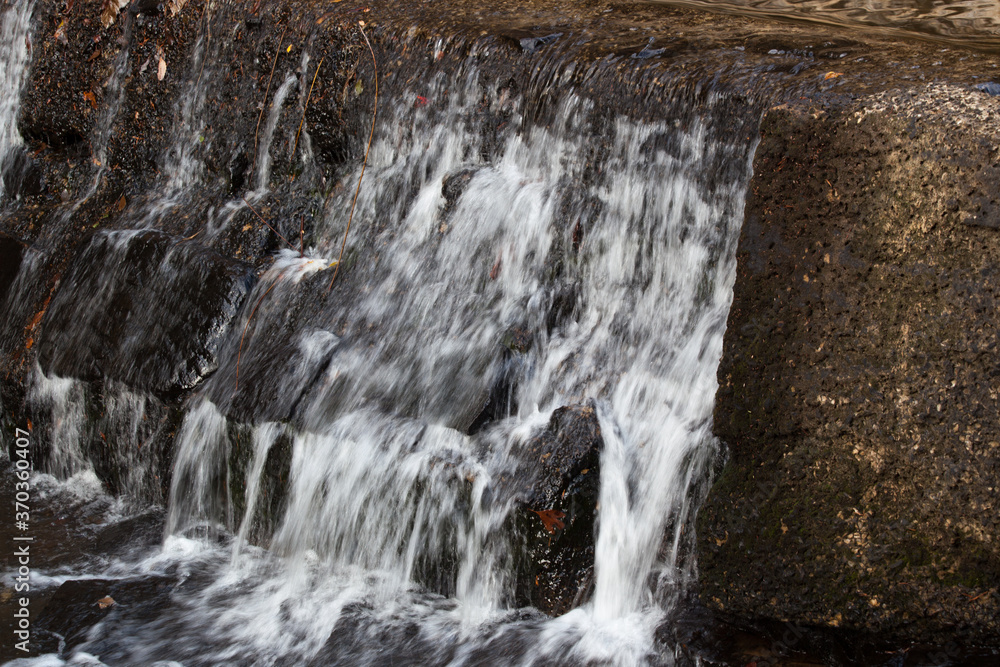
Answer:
(109, 11)
(61, 33)
(89, 96)
(144, 66)
(289, 49)
(161, 69)
(176, 6)
(421, 101)
(551, 519)
(106, 601)
(121, 203)
(359, 87)
(832, 75)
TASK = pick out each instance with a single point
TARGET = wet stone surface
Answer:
(556, 492)
(857, 387)
(144, 308)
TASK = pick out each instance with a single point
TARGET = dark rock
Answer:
(78, 605)
(556, 487)
(647, 51)
(454, 185)
(11, 253)
(855, 393)
(146, 7)
(990, 88)
(533, 44)
(21, 175)
(144, 308)
(139, 533)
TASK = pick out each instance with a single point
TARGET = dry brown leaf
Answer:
(89, 96)
(61, 33)
(122, 203)
(832, 75)
(106, 601)
(161, 69)
(551, 519)
(110, 10)
(176, 6)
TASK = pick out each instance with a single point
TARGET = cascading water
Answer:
(15, 44)
(608, 242)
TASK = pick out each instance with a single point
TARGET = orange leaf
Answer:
(495, 271)
(106, 601)
(89, 96)
(121, 203)
(832, 75)
(551, 519)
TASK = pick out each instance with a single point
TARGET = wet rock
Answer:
(648, 51)
(556, 488)
(78, 605)
(990, 88)
(454, 185)
(11, 253)
(136, 534)
(144, 308)
(22, 177)
(857, 384)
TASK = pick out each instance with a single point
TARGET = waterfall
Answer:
(383, 477)
(334, 485)
(15, 41)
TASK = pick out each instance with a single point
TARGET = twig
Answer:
(371, 135)
(256, 134)
(261, 218)
(239, 353)
(306, 107)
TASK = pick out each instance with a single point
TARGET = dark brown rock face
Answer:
(144, 308)
(557, 490)
(11, 253)
(858, 387)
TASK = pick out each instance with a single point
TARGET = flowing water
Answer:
(607, 241)
(964, 21)
(15, 50)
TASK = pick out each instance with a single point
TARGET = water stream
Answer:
(608, 243)
(15, 43)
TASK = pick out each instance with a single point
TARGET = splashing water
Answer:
(15, 36)
(610, 242)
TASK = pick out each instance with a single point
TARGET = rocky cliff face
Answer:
(858, 388)
(858, 384)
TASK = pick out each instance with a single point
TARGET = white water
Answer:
(384, 484)
(14, 55)
(374, 494)
(111, 101)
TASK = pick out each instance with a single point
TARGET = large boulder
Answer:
(858, 384)
(144, 308)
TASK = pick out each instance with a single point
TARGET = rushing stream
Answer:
(373, 403)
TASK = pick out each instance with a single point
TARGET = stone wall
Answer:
(858, 387)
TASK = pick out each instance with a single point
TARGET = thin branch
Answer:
(261, 218)
(371, 135)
